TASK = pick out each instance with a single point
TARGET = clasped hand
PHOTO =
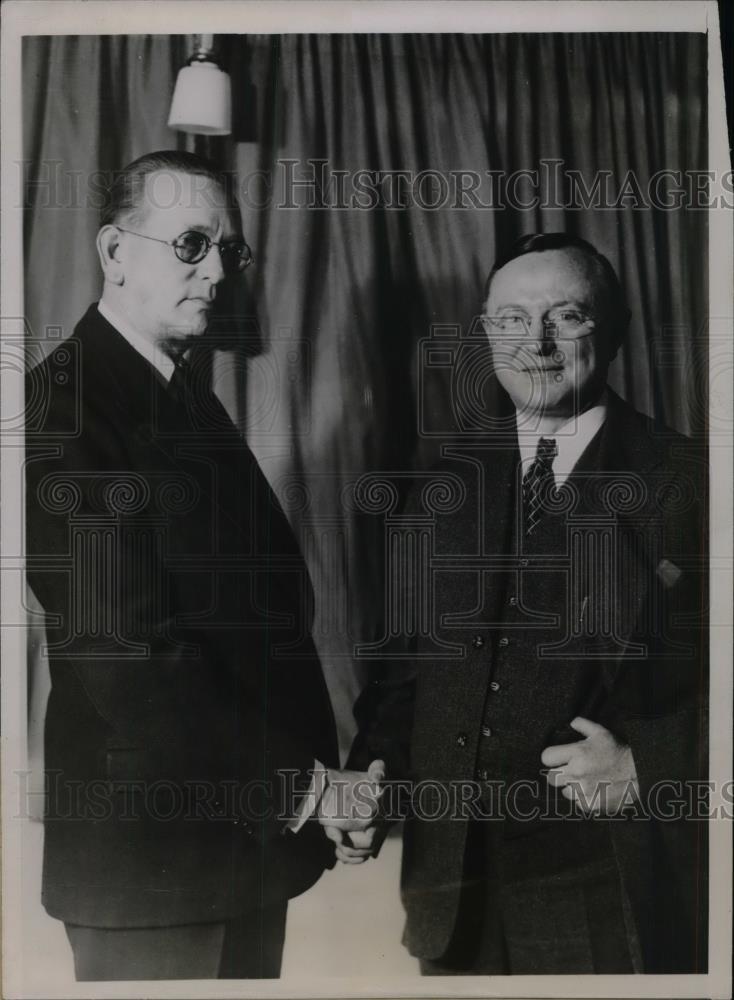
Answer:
(348, 812)
(597, 773)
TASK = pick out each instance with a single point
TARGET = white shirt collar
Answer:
(571, 440)
(152, 353)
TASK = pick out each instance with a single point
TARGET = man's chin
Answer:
(182, 337)
(532, 392)
(538, 398)
(194, 318)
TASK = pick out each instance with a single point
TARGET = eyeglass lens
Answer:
(193, 247)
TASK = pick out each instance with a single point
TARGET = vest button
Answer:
(486, 731)
(478, 641)
(494, 686)
(461, 740)
(504, 641)
(512, 602)
(482, 774)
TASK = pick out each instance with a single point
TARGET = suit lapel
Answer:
(200, 443)
(617, 482)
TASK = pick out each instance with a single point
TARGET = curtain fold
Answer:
(334, 382)
(91, 104)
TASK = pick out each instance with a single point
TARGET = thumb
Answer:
(376, 770)
(586, 727)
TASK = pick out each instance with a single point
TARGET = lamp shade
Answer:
(202, 100)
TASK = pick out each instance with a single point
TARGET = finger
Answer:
(363, 838)
(556, 777)
(347, 859)
(561, 754)
(354, 825)
(376, 791)
(354, 852)
(326, 806)
(376, 770)
(586, 727)
(333, 833)
(376, 773)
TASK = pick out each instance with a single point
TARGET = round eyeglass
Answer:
(192, 247)
(562, 322)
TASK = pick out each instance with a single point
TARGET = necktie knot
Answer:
(537, 481)
(180, 382)
(547, 450)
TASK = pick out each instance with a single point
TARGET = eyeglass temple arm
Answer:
(172, 243)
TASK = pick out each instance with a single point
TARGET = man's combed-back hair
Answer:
(540, 242)
(126, 193)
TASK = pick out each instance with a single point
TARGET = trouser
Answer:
(248, 947)
(550, 903)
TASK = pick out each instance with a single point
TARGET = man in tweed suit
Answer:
(556, 702)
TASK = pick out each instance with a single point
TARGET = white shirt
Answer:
(152, 353)
(571, 440)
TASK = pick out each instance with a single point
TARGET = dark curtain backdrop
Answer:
(331, 382)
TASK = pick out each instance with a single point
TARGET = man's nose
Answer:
(542, 334)
(211, 266)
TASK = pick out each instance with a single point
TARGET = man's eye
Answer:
(191, 242)
(511, 319)
(569, 316)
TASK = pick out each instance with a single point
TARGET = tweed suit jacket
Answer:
(187, 699)
(640, 670)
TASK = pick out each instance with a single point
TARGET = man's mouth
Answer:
(542, 369)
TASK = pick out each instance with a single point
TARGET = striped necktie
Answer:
(536, 481)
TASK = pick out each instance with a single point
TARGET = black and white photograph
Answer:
(366, 499)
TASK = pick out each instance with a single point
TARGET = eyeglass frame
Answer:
(491, 325)
(208, 244)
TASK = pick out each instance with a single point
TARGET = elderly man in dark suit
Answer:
(552, 710)
(189, 730)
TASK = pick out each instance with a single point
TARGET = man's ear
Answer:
(110, 257)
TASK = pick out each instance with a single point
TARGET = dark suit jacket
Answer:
(644, 678)
(184, 678)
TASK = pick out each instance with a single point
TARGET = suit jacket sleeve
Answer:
(664, 705)
(385, 708)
